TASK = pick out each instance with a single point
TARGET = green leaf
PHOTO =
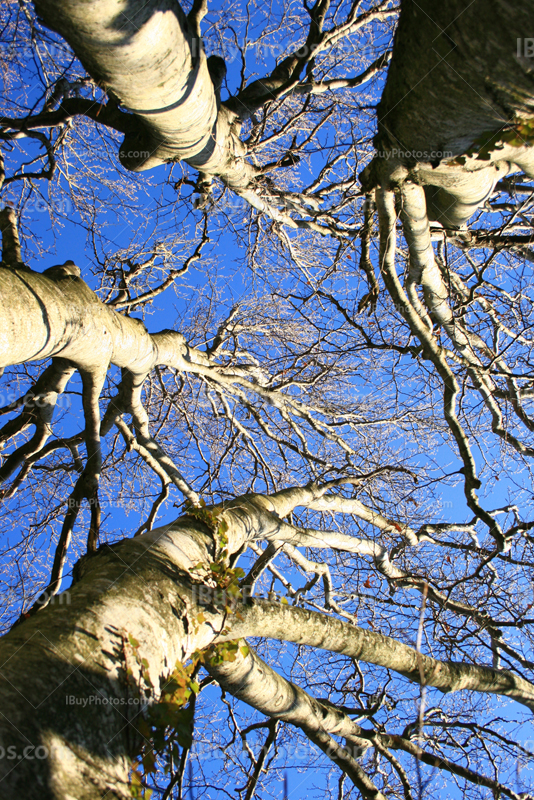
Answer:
(149, 761)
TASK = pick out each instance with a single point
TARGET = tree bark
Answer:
(458, 81)
(56, 313)
(250, 679)
(146, 55)
(456, 73)
(68, 707)
(305, 627)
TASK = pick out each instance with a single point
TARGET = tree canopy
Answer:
(268, 429)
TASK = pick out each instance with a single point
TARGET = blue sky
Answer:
(63, 233)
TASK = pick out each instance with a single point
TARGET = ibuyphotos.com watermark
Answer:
(13, 753)
(419, 155)
(525, 47)
(34, 401)
(134, 154)
(102, 700)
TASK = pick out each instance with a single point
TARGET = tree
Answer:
(333, 406)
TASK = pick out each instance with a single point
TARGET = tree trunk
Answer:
(68, 707)
(457, 72)
(69, 703)
(150, 57)
(455, 109)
